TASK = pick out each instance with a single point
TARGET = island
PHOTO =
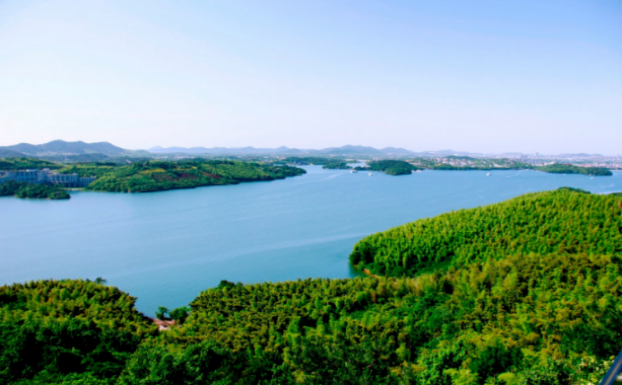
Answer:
(561, 168)
(509, 293)
(390, 167)
(336, 166)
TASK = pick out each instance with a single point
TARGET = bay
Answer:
(166, 247)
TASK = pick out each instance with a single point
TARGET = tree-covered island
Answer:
(526, 291)
(390, 167)
(336, 166)
(560, 168)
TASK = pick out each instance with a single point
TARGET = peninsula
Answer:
(22, 177)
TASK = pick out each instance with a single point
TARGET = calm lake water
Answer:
(166, 247)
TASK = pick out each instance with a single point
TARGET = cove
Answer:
(166, 247)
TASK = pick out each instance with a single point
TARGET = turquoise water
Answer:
(166, 247)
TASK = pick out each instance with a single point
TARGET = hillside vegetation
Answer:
(540, 306)
(546, 222)
(11, 164)
(53, 329)
(336, 166)
(159, 175)
(559, 168)
(32, 191)
(390, 167)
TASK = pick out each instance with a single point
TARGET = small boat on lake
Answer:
(370, 174)
(353, 171)
(488, 174)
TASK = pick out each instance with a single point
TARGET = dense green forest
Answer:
(336, 166)
(525, 319)
(391, 167)
(524, 292)
(10, 164)
(160, 175)
(32, 190)
(559, 168)
(546, 222)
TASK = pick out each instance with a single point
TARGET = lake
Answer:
(166, 247)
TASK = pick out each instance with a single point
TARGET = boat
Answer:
(370, 174)
(488, 174)
(352, 171)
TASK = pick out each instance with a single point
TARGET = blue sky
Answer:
(488, 76)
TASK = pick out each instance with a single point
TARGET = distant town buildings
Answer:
(45, 176)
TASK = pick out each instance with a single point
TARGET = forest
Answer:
(153, 175)
(559, 168)
(11, 164)
(390, 167)
(336, 166)
(565, 220)
(32, 191)
(538, 306)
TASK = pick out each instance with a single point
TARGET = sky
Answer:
(483, 76)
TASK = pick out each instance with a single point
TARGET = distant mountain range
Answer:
(60, 147)
(344, 150)
(61, 150)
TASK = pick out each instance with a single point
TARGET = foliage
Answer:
(32, 190)
(391, 167)
(336, 166)
(26, 163)
(545, 222)
(560, 168)
(160, 175)
(53, 328)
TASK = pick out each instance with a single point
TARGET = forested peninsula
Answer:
(526, 291)
(166, 175)
(32, 191)
(144, 176)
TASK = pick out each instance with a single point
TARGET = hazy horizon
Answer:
(455, 150)
(481, 76)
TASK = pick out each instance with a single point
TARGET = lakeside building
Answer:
(45, 176)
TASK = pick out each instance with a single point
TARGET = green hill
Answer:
(559, 168)
(52, 329)
(159, 175)
(525, 319)
(546, 222)
(27, 163)
(390, 167)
